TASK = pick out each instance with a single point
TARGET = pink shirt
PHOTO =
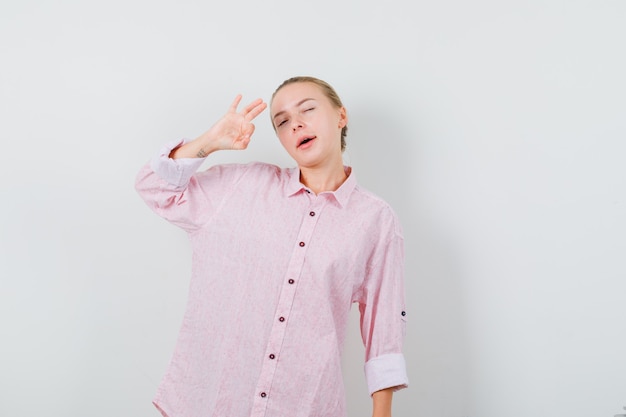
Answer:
(276, 269)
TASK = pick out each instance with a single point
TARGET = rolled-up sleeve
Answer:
(174, 189)
(383, 317)
(386, 371)
(175, 172)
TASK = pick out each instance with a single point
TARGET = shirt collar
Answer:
(341, 195)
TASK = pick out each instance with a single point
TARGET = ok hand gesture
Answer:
(232, 131)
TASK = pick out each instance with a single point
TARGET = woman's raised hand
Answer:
(234, 129)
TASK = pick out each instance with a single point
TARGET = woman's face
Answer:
(308, 124)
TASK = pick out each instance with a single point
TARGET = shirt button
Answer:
(301, 244)
(312, 214)
(291, 281)
(263, 395)
(281, 319)
(404, 313)
(272, 356)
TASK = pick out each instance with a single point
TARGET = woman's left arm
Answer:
(383, 316)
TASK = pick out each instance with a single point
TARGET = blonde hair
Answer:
(328, 92)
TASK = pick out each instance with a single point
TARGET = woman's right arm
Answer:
(169, 185)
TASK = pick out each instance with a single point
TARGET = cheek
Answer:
(282, 141)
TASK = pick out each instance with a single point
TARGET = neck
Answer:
(322, 179)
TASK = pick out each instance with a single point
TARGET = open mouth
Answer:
(305, 141)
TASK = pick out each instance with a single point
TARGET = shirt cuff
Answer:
(176, 172)
(386, 371)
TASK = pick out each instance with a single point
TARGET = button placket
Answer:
(284, 306)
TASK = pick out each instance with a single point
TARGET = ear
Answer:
(343, 117)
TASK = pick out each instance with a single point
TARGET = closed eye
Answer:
(281, 123)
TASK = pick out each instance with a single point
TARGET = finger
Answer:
(244, 143)
(254, 109)
(245, 139)
(250, 106)
(235, 103)
(248, 130)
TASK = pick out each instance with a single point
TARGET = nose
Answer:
(296, 124)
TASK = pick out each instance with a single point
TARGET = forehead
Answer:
(291, 94)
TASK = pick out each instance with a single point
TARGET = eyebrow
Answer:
(297, 105)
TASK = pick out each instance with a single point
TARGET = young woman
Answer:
(279, 256)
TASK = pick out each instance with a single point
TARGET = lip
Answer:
(303, 143)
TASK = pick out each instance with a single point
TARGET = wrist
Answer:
(197, 148)
(205, 145)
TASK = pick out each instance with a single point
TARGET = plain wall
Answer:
(497, 131)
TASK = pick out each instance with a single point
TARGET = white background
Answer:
(497, 130)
